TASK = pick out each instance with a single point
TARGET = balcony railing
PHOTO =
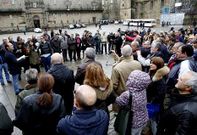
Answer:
(17, 10)
(75, 9)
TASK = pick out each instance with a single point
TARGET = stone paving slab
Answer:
(8, 98)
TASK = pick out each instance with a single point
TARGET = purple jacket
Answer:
(136, 84)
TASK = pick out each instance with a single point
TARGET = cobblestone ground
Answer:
(8, 98)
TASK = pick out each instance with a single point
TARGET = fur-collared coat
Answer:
(157, 88)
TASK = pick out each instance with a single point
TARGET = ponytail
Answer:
(45, 85)
(45, 99)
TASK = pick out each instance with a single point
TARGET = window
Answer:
(55, 2)
(162, 3)
(151, 5)
(10, 16)
(13, 1)
(34, 4)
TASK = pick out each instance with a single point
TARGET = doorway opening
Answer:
(36, 20)
(94, 19)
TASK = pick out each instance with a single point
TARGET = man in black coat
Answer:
(81, 70)
(181, 116)
(13, 66)
(64, 81)
(118, 43)
(6, 126)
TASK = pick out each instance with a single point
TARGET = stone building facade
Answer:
(125, 9)
(155, 8)
(111, 9)
(149, 8)
(16, 14)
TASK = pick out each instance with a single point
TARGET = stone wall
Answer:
(148, 9)
(11, 4)
(16, 14)
(125, 9)
(64, 19)
(11, 22)
(111, 9)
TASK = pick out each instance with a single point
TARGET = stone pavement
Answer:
(8, 98)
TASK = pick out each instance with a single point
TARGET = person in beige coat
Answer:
(122, 69)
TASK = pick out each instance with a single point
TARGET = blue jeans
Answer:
(153, 125)
(4, 67)
(98, 47)
(16, 83)
(46, 62)
(137, 131)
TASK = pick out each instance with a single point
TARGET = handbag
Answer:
(153, 110)
(123, 121)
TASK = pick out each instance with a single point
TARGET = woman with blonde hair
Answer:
(41, 112)
(96, 78)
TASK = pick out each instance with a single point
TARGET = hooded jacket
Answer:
(136, 84)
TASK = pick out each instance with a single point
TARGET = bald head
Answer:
(56, 58)
(85, 96)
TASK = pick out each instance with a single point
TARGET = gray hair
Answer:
(126, 51)
(192, 82)
(156, 44)
(31, 74)
(56, 58)
(90, 53)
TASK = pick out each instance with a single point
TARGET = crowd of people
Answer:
(158, 70)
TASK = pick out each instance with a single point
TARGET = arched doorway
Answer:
(36, 20)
